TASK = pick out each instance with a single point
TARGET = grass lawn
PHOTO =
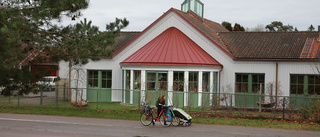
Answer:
(112, 110)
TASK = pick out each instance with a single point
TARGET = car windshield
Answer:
(46, 79)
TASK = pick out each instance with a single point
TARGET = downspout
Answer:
(219, 85)
(276, 83)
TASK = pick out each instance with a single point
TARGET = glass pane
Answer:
(238, 78)
(163, 86)
(300, 89)
(261, 78)
(255, 88)
(90, 74)
(151, 77)
(196, 76)
(109, 83)
(191, 76)
(317, 89)
(95, 74)
(293, 79)
(191, 87)
(151, 85)
(95, 83)
(293, 89)
(128, 82)
(162, 76)
(162, 81)
(104, 83)
(311, 89)
(90, 83)
(317, 79)
(300, 79)
(238, 87)
(175, 76)
(245, 78)
(244, 87)
(137, 79)
(255, 79)
(311, 79)
(205, 81)
(109, 74)
(104, 74)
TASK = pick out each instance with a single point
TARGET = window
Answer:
(93, 78)
(178, 81)
(249, 83)
(128, 80)
(137, 79)
(205, 82)
(157, 81)
(296, 84)
(215, 82)
(162, 81)
(151, 81)
(314, 85)
(301, 84)
(99, 78)
(242, 83)
(193, 81)
(256, 80)
(106, 79)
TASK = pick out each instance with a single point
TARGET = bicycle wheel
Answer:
(145, 119)
(164, 121)
(175, 121)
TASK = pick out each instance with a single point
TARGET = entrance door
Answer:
(156, 85)
(99, 85)
(247, 89)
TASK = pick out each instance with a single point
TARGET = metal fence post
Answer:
(64, 92)
(284, 100)
(139, 102)
(41, 95)
(57, 93)
(231, 104)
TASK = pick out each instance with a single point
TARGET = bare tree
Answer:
(259, 27)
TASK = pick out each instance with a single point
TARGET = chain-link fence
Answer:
(205, 103)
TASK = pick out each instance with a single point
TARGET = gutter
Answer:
(287, 60)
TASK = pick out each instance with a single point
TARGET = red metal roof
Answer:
(208, 28)
(172, 47)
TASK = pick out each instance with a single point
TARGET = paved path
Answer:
(17, 125)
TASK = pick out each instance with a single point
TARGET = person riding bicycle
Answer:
(160, 102)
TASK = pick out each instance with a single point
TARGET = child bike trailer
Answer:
(185, 118)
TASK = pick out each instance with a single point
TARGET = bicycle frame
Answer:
(161, 113)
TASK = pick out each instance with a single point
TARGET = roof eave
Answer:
(279, 59)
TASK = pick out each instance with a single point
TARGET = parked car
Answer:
(48, 82)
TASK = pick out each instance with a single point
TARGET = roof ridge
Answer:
(271, 32)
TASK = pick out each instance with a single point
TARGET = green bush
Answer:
(305, 113)
(311, 112)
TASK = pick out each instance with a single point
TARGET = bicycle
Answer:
(147, 117)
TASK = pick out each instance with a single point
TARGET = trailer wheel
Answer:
(184, 124)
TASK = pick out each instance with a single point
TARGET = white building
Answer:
(192, 60)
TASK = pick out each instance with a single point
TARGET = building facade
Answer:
(192, 60)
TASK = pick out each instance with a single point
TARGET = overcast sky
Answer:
(248, 13)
